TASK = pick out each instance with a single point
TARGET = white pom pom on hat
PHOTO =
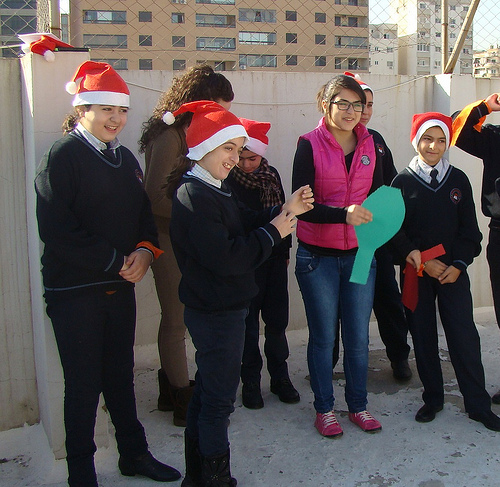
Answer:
(168, 118)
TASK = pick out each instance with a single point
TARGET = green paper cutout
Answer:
(388, 210)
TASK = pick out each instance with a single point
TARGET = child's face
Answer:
(432, 145)
(344, 120)
(104, 121)
(221, 160)
(368, 111)
(249, 161)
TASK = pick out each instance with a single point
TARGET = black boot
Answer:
(147, 466)
(180, 398)
(164, 399)
(216, 472)
(193, 462)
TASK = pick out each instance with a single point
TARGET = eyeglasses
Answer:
(344, 105)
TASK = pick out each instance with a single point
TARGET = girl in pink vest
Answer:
(338, 160)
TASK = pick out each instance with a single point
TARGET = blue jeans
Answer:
(218, 338)
(328, 295)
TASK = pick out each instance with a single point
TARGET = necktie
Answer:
(434, 179)
(109, 153)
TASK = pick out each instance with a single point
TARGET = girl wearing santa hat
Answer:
(440, 212)
(258, 185)
(95, 220)
(339, 161)
(218, 246)
(164, 145)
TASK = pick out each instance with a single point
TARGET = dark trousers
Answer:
(388, 308)
(455, 309)
(218, 338)
(493, 256)
(272, 304)
(95, 337)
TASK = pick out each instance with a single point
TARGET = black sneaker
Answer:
(251, 396)
(285, 391)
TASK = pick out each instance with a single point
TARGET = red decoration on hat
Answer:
(257, 138)
(211, 126)
(43, 44)
(423, 121)
(97, 83)
(356, 76)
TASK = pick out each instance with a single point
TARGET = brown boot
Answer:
(181, 398)
(165, 398)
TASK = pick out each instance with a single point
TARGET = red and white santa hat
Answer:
(97, 83)
(363, 85)
(211, 126)
(257, 138)
(424, 121)
(43, 43)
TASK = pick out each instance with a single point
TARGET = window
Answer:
(320, 17)
(353, 3)
(145, 16)
(104, 17)
(215, 43)
(376, 63)
(179, 64)
(338, 20)
(177, 18)
(453, 7)
(291, 15)
(18, 4)
(338, 63)
(17, 24)
(320, 61)
(257, 61)
(291, 60)
(290, 38)
(146, 64)
(254, 15)
(118, 64)
(262, 38)
(178, 41)
(352, 64)
(145, 40)
(352, 22)
(216, 2)
(338, 2)
(390, 64)
(103, 41)
(465, 51)
(179, 1)
(209, 20)
(422, 5)
(348, 41)
(438, 34)
(437, 48)
(390, 49)
(423, 47)
(437, 64)
(320, 39)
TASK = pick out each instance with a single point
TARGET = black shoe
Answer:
(216, 472)
(148, 466)
(285, 390)
(496, 398)
(251, 396)
(401, 370)
(488, 418)
(192, 455)
(427, 413)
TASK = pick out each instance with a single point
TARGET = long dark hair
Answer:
(198, 83)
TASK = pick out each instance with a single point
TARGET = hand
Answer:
(284, 223)
(136, 265)
(415, 259)
(357, 215)
(434, 268)
(300, 201)
(450, 275)
(493, 102)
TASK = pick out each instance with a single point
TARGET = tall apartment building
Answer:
(282, 35)
(419, 32)
(487, 63)
(16, 17)
(383, 48)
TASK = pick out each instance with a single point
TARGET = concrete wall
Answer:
(287, 100)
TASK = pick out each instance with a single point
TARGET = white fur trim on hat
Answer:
(208, 145)
(112, 98)
(257, 146)
(427, 125)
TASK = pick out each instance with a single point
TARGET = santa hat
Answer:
(97, 83)
(363, 85)
(423, 121)
(211, 126)
(42, 43)
(257, 138)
